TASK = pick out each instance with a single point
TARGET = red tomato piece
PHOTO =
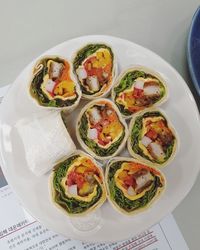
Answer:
(134, 109)
(71, 178)
(128, 180)
(152, 134)
(98, 72)
(75, 178)
(79, 180)
(99, 127)
(138, 92)
(161, 124)
(101, 142)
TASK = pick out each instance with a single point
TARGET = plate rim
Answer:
(101, 37)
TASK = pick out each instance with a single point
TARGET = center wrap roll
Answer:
(131, 185)
(96, 69)
(53, 84)
(77, 184)
(100, 129)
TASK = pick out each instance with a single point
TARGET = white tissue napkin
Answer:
(46, 140)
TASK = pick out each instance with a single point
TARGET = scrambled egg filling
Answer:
(80, 165)
(103, 58)
(119, 183)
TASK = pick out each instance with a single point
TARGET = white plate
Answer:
(33, 192)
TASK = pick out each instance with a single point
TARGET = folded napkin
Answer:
(46, 140)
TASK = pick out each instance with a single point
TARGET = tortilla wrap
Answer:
(53, 85)
(67, 176)
(137, 88)
(102, 136)
(96, 69)
(156, 143)
(126, 199)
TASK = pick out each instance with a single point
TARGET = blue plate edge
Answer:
(189, 58)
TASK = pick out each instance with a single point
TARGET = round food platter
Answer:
(106, 223)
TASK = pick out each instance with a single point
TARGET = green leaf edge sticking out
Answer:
(123, 202)
(136, 136)
(85, 52)
(126, 83)
(37, 92)
(71, 205)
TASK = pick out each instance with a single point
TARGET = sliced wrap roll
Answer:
(138, 88)
(52, 84)
(131, 185)
(152, 138)
(77, 184)
(95, 68)
(100, 129)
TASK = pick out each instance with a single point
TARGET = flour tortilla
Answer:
(36, 68)
(115, 205)
(84, 146)
(148, 71)
(114, 74)
(96, 205)
(137, 156)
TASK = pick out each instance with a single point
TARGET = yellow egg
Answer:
(107, 56)
(65, 88)
(130, 101)
(81, 169)
(113, 129)
(85, 189)
(102, 59)
(122, 175)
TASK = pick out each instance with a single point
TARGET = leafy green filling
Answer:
(127, 82)
(83, 130)
(123, 202)
(136, 134)
(71, 205)
(82, 55)
(36, 91)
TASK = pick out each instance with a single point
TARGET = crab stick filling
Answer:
(104, 125)
(57, 83)
(81, 179)
(156, 138)
(95, 73)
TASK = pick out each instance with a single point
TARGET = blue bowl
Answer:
(193, 50)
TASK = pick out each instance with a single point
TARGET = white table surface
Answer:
(27, 28)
